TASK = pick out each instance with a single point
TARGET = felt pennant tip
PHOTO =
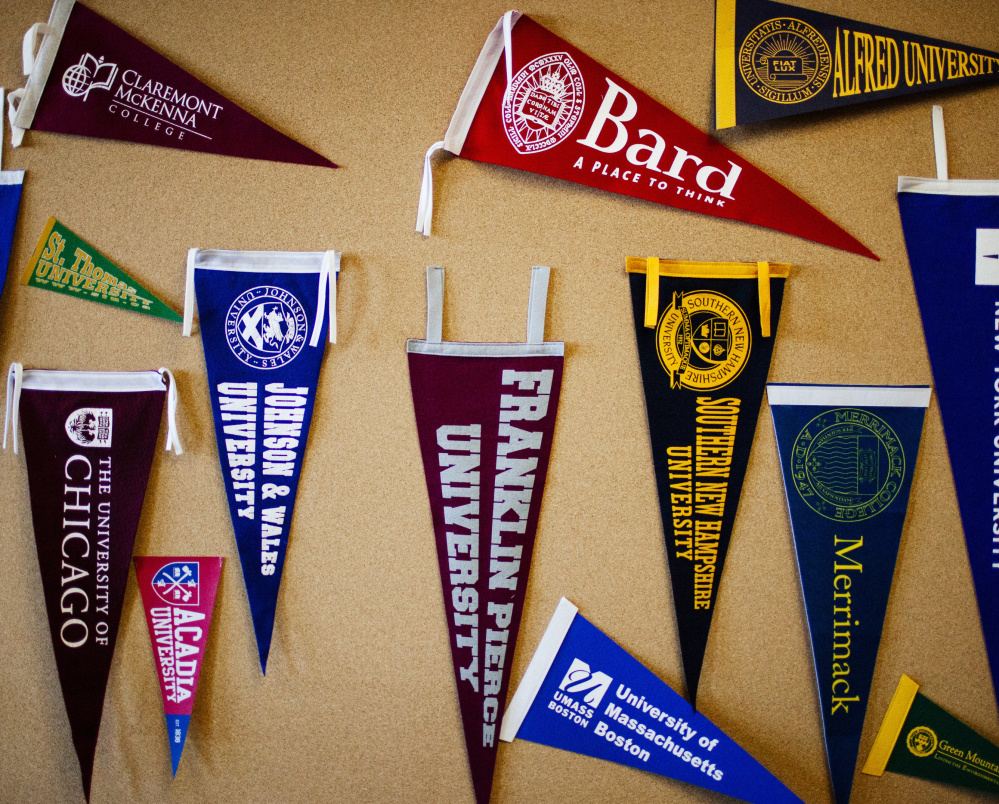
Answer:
(177, 733)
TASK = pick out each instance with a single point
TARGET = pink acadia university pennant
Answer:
(178, 595)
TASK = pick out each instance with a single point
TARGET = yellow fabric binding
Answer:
(725, 63)
(891, 726)
(717, 270)
(763, 280)
(651, 291)
(43, 241)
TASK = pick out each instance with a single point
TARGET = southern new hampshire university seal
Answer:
(785, 61)
(921, 741)
(703, 340)
(544, 103)
(266, 327)
(847, 464)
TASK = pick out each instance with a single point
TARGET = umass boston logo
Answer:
(177, 583)
(90, 427)
(544, 103)
(266, 327)
(579, 679)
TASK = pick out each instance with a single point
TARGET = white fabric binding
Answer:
(173, 437)
(910, 184)
(940, 142)
(189, 295)
(459, 349)
(37, 67)
(508, 48)
(538, 669)
(435, 303)
(327, 285)
(537, 303)
(13, 402)
(475, 87)
(425, 211)
(861, 396)
(16, 134)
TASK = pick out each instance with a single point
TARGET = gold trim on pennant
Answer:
(891, 726)
(708, 270)
(724, 63)
(651, 291)
(26, 278)
(763, 280)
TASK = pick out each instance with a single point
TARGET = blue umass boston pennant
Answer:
(263, 326)
(584, 693)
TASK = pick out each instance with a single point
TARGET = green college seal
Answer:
(921, 741)
(847, 464)
(784, 60)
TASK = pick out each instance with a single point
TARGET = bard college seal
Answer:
(848, 464)
(703, 340)
(544, 103)
(785, 61)
(266, 327)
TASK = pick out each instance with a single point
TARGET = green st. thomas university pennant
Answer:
(66, 263)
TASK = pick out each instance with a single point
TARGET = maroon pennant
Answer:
(88, 446)
(485, 413)
(92, 78)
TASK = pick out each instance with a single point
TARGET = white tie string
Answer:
(940, 142)
(173, 438)
(425, 212)
(508, 47)
(327, 284)
(13, 402)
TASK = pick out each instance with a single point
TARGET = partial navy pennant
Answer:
(951, 229)
(847, 453)
(584, 693)
(11, 182)
(263, 321)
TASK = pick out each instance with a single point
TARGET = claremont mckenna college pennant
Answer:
(64, 262)
(485, 414)
(263, 318)
(88, 447)
(178, 595)
(705, 336)
(847, 454)
(920, 738)
(775, 60)
(951, 229)
(91, 78)
(584, 693)
(535, 102)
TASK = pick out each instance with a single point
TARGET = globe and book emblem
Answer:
(266, 327)
(543, 103)
(87, 74)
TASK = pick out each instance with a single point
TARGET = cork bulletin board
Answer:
(359, 703)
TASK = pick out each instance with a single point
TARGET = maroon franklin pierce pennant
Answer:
(91, 78)
(485, 413)
(88, 438)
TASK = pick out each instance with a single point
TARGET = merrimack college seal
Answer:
(703, 340)
(266, 327)
(921, 741)
(544, 103)
(848, 464)
(785, 61)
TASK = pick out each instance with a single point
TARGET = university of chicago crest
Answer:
(90, 427)
(543, 104)
(703, 340)
(266, 327)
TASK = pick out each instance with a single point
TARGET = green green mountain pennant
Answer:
(919, 738)
(66, 263)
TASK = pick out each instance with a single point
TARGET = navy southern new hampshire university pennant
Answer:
(847, 453)
(705, 335)
(775, 60)
(263, 328)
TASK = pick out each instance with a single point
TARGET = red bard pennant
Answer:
(535, 102)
